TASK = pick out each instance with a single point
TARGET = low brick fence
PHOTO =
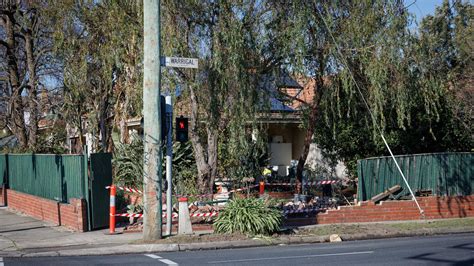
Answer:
(400, 210)
(396, 210)
(73, 215)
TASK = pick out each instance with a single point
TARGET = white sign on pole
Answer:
(181, 62)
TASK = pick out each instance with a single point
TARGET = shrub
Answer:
(248, 216)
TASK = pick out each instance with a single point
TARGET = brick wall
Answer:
(434, 207)
(73, 215)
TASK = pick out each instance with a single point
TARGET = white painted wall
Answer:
(315, 158)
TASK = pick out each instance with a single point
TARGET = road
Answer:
(433, 250)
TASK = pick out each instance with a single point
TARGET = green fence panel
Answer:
(442, 173)
(56, 177)
(3, 169)
(73, 181)
(101, 176)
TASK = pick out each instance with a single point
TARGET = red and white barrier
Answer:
(132, 190)
(175, 215)
(209, 195)
(314, 183)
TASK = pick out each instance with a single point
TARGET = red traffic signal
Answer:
(182, 129)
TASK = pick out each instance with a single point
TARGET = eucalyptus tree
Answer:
(234, 48)
(359, 54)
(100, 45)
(384, 79)
(25, 48)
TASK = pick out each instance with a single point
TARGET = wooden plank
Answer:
(386, 193)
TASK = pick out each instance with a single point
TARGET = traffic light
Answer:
(164, 125)
(182, 129)
(164, 130)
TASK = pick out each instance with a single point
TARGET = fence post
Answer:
(112, 210)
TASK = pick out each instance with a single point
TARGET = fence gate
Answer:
(100, 176)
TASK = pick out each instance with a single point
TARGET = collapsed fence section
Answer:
(442, 174)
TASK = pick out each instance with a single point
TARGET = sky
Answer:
(421, 8)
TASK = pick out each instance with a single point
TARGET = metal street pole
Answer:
(169, 162)
(152, 122)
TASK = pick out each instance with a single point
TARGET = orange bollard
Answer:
(112, 210)
(261, 187)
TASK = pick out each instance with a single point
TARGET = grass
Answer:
(391, 227)
(435, 224)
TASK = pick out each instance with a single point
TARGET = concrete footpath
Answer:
(23, 236)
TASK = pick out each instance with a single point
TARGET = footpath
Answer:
(23, 236)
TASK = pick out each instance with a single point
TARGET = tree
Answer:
(100, 45)
(331, 40)
(234, 48)
(415, 85)
(25, 41)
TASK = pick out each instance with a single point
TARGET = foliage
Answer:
(412, 88)
(242, 156)
(27, 68)
(128, 163)
(100, 45)
(248, 216)
(234, 49)
(184, 169)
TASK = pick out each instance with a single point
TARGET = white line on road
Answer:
(153, 256)
(293, 257)
(1, 261)
(169, 262)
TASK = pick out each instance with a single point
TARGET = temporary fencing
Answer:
(209, 214)
(139, 215)
(132, 190)
(175, 215)
(228, 192)
(313, 183)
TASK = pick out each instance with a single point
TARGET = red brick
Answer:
(71, 215)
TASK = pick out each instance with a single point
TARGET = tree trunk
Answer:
(318, 89)
(204, 169)
(15, 110)
(308, 139)
(32, 93)
(212, 141)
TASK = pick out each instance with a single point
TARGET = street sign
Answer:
(180, 62)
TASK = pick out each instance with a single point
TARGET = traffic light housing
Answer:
(182, 129)
(164, 125)
(164, 130)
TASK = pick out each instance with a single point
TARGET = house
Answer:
(283, 124)
(285, 134)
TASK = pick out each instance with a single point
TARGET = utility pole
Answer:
(152, 222)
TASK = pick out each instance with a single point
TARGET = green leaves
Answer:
(128, 163)
(248, 216)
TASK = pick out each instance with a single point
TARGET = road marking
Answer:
(153, 256)
(169, 262)
(294, 257)
(1, 261)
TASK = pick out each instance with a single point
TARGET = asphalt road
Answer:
(433, 250)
